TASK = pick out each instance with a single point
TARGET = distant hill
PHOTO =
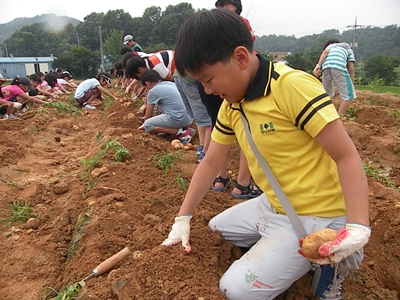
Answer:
(55, 22)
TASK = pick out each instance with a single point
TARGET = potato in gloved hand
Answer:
(313, 241)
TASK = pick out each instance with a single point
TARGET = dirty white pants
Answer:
(273, 263)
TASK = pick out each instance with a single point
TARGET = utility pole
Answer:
(101, 51)
(355, 44)
(355, 26)
(5, 48)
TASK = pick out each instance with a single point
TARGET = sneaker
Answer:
(10, 117)
(24, 110)
(199, 150)
(200, 157)
(187, 135)
(88, 106)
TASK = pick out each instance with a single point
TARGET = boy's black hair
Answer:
(35, 78)
(40, 73)
(119, 66)
(332, 41)
(126, 57)
(209, 37)
(150, 75)
(125, 50)
(133, 65)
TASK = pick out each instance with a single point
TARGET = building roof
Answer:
(26, 59)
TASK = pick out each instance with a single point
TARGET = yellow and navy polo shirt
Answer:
(286, 109)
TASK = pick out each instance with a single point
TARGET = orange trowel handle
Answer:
(111, 262)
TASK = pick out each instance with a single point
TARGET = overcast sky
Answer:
(283, 17)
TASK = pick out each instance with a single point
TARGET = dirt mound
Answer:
(92, 201)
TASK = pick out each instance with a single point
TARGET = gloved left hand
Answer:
(349, 240)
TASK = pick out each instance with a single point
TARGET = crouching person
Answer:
(91, 89)
(174, 120)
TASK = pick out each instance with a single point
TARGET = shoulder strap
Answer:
(289, 210)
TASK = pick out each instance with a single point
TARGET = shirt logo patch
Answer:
(267, 128)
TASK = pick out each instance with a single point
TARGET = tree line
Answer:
(77, 48)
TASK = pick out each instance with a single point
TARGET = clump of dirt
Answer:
(90, 206)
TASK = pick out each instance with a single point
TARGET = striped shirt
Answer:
(338, 57)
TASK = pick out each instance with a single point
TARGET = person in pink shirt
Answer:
(17, 92)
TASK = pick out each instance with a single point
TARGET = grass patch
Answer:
(379, 89)
(395, 115)
(18, 212)
(373, 173)
(351, 113)
(64, 108)
(165, 161)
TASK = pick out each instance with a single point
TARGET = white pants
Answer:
(273, 263)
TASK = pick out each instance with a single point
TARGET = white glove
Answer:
(17, 105)
(180, 232)
(349, 240)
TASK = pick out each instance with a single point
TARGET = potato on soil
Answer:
(313, 241)
(176, 144)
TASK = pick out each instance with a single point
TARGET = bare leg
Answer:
(344, 106)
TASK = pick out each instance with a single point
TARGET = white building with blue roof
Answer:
(24, 66)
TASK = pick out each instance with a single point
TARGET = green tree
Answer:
(381, 67)
(32, 40)
(112, 45)
(80, 61)
(89, 31)
(297, 61)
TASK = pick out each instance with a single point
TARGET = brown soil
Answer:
(132, 204)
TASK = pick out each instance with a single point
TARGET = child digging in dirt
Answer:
(290, 119)
(91, 89)
(174, 119)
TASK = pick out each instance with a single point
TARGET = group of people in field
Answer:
(24, 92)
(299, 171)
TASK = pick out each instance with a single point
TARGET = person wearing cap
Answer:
(131, 42)
(92, 88)
(17, 92)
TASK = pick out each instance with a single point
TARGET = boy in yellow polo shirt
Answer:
(299, 134)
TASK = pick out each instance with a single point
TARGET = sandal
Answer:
(247, 192)
(225, 181)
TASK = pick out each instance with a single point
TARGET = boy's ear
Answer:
(241, 55)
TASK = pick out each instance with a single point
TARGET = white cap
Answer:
(127, 38)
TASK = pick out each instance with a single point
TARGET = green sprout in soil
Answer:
(181, 183)
(83, 220)
(107, 103)
(165, 161)
(69, 292)
(120, 154)
(18, 212)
